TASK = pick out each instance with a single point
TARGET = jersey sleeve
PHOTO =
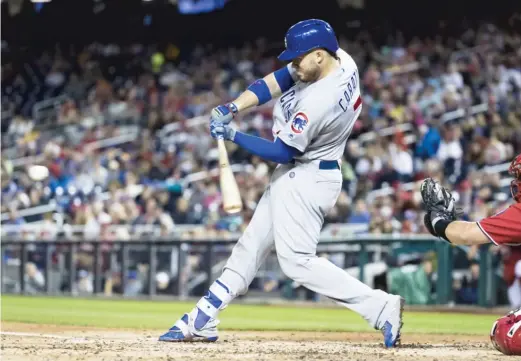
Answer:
(342, 54)
(303, 126)
(503, 228)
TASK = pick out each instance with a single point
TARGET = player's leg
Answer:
(299, 201)
(247, 256)
(514, 291)
(514, 294)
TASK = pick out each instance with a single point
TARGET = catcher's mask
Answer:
(515, 171)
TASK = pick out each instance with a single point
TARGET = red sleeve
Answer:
(504, 227)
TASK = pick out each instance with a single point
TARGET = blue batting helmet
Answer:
(308, 35)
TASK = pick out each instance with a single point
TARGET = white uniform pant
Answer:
(289, 217)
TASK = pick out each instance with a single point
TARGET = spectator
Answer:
(360, 213)
(401, 159)
(413, 282)
(430, 142)
(467, 289)
(416, 84)
(34, 278)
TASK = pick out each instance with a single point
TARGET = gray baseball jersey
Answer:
(317, 118)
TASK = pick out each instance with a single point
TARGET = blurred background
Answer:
(109, 178)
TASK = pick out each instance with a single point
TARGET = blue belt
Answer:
(324, 164)
(328, 164)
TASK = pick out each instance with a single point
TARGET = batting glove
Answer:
(224, 113)
(218, 130)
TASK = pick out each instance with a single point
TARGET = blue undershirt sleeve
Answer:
(284, 78)
(276, 151)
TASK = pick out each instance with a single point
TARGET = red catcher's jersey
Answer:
(504, 228)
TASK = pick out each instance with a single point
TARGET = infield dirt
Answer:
(31, 342)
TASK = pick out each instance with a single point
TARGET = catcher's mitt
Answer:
(438, 200)
(439, 203)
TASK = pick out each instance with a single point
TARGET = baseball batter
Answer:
(319, 102)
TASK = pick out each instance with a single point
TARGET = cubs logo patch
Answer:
(299, 123)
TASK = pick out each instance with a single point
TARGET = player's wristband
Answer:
(261, 90)
(233, 108)
(440, 227)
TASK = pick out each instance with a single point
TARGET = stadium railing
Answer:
(131, 134)
(62, 231)
(113, 256)
(386, 191)
(45, 112)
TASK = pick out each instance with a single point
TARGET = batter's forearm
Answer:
(465, 233)
(255, 94)
(246, 100)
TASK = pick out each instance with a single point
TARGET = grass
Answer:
(161, 315)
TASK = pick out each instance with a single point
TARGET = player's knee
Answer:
(294, 267)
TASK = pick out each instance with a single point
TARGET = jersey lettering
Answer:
(352, 86)
(353, 79)
(285, 102)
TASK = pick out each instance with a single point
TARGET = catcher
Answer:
(503, 228)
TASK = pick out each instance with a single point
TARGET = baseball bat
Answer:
(232, 202)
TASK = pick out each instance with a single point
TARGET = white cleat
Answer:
(393, 324)
(184, 330)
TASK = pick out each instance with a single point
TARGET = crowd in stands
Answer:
(158, 101)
